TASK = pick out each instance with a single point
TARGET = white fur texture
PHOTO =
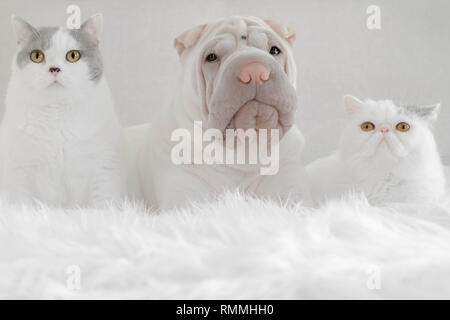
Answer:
(387, 164)
(233, 248)
(59, 143)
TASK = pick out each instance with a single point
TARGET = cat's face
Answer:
(381, 130)
(55, 58)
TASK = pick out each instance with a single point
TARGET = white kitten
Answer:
(386, 151)
(60, 137)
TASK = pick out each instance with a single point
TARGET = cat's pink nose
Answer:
(384, 130)
(254, 72)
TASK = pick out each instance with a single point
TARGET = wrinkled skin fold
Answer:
(264, 105)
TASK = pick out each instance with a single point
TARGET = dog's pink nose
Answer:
(384, 130)
(254, 72)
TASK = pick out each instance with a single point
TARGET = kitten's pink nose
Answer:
(54, 70)
(384, 130)
(254, 72)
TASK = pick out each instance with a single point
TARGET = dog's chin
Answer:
(256, 115)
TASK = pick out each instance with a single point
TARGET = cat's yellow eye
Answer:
(402, 126)
(37, 56)
(367, 126)
(73, 56)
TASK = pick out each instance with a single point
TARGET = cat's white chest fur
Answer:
(381, 187)
(332, 177)
(58, 151)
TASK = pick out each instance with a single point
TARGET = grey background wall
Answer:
(408, 60)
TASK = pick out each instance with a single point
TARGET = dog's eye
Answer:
(37, 56)
(211, 57)
(73, 56)
(367, 126)
(402, 126)
(275, 51)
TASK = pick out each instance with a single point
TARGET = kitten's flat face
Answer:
(54, 58)
(382, 130)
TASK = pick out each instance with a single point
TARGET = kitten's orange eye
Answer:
(402, 126)
(367, 126)
(37, 56)
(73, 56)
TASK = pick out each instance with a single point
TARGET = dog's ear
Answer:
(283, 31)
(189, 38)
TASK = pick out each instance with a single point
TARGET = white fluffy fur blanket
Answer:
(236, 247)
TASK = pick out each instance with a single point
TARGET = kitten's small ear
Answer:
(188, 39)
(429, 112)
(352, 104)
(25, 32)
(283, 31)
(92, 29)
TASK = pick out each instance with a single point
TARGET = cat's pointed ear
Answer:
(188, 39)
(429, 112)
(92, 29)
(352, 104)
(25, 32)
(283, 31)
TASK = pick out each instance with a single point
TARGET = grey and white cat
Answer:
(386, 151)
(60, 137)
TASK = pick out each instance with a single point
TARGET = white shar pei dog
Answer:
(237, 73)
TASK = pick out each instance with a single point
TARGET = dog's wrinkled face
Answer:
(243, 73)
